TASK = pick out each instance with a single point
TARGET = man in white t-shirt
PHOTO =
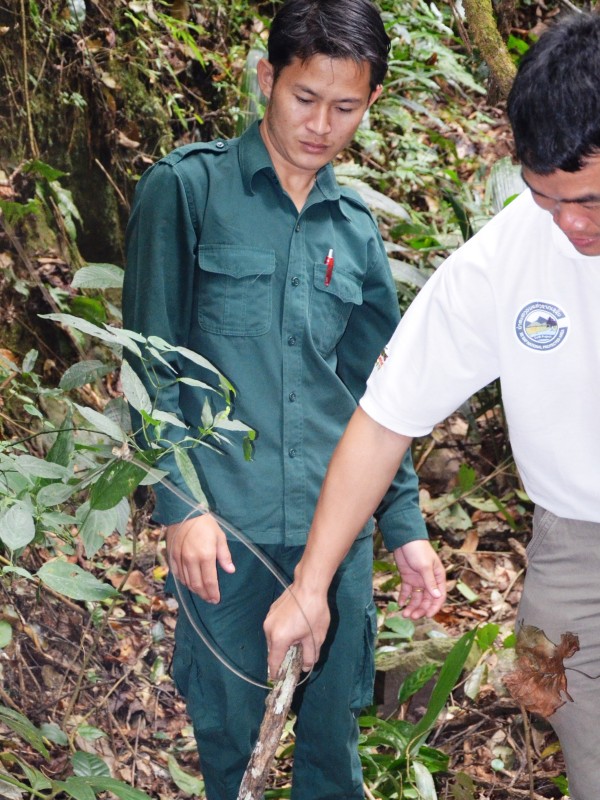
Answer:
(518, 301)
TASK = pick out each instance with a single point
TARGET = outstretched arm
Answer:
(361, 469)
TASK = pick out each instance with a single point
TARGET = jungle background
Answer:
(91, 93)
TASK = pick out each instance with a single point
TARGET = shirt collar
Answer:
(254, 158)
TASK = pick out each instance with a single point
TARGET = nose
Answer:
(569, 217)
(320, 122)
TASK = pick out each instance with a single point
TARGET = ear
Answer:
(375, 94)
(265, 74)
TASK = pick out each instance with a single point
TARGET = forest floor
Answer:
(107, 676)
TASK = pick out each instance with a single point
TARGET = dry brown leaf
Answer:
(538, 680)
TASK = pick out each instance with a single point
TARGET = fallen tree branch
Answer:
(276, 709)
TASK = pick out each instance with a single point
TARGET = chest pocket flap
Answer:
(235, 289)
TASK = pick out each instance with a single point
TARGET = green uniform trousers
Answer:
(562, 594)
(226, 711)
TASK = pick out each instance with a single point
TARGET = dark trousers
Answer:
(226, 711)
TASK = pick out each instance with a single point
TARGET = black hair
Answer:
(554, 103)
(351, 29)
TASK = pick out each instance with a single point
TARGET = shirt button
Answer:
(291, 341)
(295, 281)
(220, 145)
(298, 228)
(292, 397)
(292, 453)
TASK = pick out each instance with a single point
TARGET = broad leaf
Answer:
(39, 468)
(189, 475)
(24, 728)
(98, 276)
(77, 788)
(120, 789)
(102, 424)
(424, 782)
(89, 765)
(116, 482)
(190, 784)
(5, 633)
(82, 373)
(64, 444)
(134, 390)
(72, 581)
(55, 493)
(17, 527)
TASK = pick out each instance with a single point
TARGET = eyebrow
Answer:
(586, 198)
(301, 88)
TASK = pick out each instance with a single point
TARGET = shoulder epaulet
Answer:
(177, 155)
(353, 197)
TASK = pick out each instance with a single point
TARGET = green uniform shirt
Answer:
(221, 261)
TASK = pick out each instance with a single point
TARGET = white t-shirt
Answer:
(518, 302)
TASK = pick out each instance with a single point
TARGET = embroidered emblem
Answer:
(382, 358)
(541, 326)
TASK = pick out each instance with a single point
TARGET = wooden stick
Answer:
(276, 709)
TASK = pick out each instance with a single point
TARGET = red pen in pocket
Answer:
(329, 263)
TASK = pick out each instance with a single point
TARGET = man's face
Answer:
(573, 199)
(314, 109)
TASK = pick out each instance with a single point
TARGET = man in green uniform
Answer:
(249, 252)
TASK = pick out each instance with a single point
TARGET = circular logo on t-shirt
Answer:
(541, 326)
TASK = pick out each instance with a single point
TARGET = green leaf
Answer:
(17, 527)
(424, 782)
(89, 765)
(77, 788)
(190, 784)
(98, 276)
(33, 467)
(88, 308)
(416, 681)
(196, 358)
(170, 419)
(44, 170)
(72, 581)
(189, 475)
(82, 373)
(24, 728)
(134, 390)
(487, 635)
(466, 591)
(64, 444)
(117, 481)
(5, 633)
(29, 361)
(449, 675)
(402, 627)
(52, 732)
(122, 790)
(102, 424)
(82, 325)
(90, 732)
(55, 493)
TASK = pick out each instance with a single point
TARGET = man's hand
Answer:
(423, 589)
(194, 549)
(296, 617)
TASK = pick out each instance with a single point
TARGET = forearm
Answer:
(361, 469)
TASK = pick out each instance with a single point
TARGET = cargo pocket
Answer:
(543, 522)
(331, 306)
(186, 676)
(235, 292)
(365, 675)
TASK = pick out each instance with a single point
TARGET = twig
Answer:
(34, 147)
(276, 708)
(527, 738)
